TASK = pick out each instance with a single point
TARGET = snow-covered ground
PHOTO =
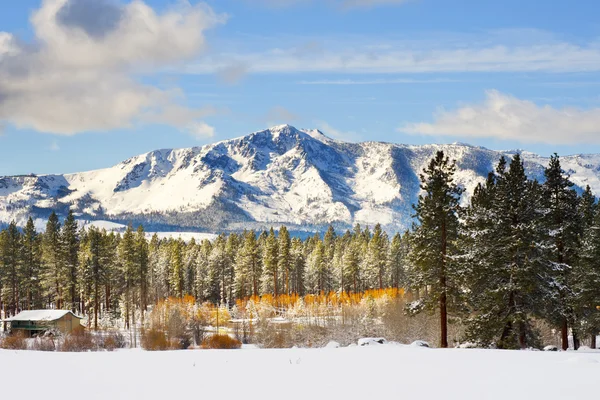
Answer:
(382, 371)
(185, 236)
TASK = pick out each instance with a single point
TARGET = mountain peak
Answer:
(280, 175)
(278, 128)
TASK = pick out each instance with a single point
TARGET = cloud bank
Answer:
(518, 51)
(84, 70)
(506, 117)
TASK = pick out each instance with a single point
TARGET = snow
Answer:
(99, 224)
(384, 371)
(281, 175)
(371, 341)
(185, 236)
(40, 315)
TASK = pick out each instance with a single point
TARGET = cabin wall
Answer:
(68, 324)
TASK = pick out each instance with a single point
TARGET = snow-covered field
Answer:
(383, 371)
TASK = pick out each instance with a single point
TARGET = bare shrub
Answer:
(272, 336)
(111, 340)
(175, 324)
(15, 341)
(78, 341)
(42, 343)
(221, 342)
(311, 336)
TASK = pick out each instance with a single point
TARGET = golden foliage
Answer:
(15, 341)
(154, 339)
(221, 342)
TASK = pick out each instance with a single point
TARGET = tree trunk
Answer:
(564, 330)
(443, 321)
(96, 305)
(593, 341)
(522, 336)
(443, 295)
(505, 333)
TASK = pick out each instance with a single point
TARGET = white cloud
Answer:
(82, 73)
(505, 117)
(347, 136)
(54, 146)
(280, 115)
(200, 130)
(433, 53)
(233, 74)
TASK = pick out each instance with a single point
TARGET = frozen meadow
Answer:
(383, 371)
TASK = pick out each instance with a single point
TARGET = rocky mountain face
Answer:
(300, 178)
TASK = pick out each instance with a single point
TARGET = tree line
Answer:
(95, 272)
(520, 251)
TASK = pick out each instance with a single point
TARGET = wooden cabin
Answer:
(36, 322)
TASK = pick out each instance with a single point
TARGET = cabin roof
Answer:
(40, 315)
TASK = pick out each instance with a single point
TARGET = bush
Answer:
(112, 340)
(221, 342)
(43, 344)
(14, 342)
(154, 339)
(79, 340)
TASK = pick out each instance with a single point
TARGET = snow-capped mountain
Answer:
(282, 175)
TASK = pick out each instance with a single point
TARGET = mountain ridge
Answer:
(297, 177)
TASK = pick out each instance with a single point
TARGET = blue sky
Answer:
(85, 84)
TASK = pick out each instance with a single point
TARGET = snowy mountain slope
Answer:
(277, 176)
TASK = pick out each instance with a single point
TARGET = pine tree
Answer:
(112, 280)
(329, 241)
(298, 267)
(587, 209)
(231, 250)
(10, 268)
(434, 241)
(284, 261)
(218, 272)
(397, 259)
(142, 258)
(69, 256)
(190, 261)
(351, 265)
(31, 285)
(177, 268)
(270, 283)
(94, 265)
(127, 257)
(505, 267)
(202, 283)
(376, 259)
(51, 257)
(316, 279)
(564, 228)
(154, 269)
(248, 267)
(586, 275)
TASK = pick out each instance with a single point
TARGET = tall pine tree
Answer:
(434, 241)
